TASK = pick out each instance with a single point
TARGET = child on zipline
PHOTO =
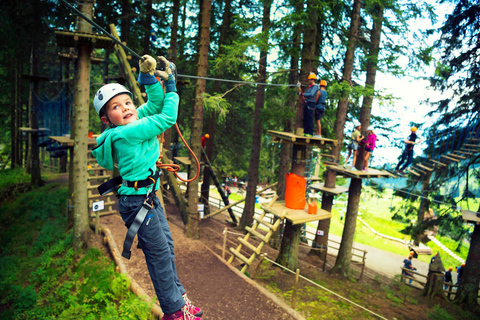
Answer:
(353, 146)
(131, 141)
(408, 151)
(369, 146)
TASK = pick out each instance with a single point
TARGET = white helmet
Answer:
(370, 128)
(357, 124)
(106, 93)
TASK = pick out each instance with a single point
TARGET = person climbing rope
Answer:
(407, 154)
(131, 140)
(353, 146)
(310, 98)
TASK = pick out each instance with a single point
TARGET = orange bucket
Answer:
(312, 208)
(295, 191)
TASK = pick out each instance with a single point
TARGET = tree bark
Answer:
(342, 264)
(289, 126)
(81, 99)
(249, 208)
(468, 287)
(339, 126)
(147, 25)
(212, 124)
(197, 125)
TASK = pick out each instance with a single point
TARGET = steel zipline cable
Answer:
(140, 58)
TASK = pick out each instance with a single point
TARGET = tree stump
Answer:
(434, 285)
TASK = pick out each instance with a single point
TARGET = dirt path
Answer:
(210, 284)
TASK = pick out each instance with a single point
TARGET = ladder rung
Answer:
(472, 145)
(463, 152)
(450, 158)
(98, 177)
(456, 156)
(268, 225)
(255, 233)
(249, 245)
(240, 256)
(327, 155)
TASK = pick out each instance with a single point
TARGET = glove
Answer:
(165, 64)
(167, 74)
(148, 65)
(299, 84)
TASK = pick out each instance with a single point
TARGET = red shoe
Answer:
(181, 314)
(196, 311)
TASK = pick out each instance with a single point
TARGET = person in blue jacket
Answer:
(131, 141)
(320, 107)
(310, 97)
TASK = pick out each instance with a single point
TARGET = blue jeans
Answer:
(308, 112)
(407, 154)
(156, 241)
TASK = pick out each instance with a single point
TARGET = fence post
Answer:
(295, 287)
(363, 265)
(224, 242)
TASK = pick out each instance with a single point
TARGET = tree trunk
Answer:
(197, 125)
(289, 126)
(424, 205)
(172, 56)
(147, 25)
(249, 208)
(125, 23)
(81, 99)
(342, 264)
(212, 125)
(33, 162)
(468, 290)
(339, 126)
(15, 142)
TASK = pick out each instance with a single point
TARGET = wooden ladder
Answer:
(253, 232)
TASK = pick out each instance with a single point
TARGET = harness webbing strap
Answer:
(139, 218)
(132, 231)
(111, 184)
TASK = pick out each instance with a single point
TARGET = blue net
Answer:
(54, 114)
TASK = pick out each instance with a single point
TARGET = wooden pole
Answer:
(225, 233)
(363, 265)
(235, 203)
(295, 288)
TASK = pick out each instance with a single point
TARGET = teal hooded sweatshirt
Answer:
(135, 146)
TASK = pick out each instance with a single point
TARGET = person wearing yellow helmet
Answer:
(407, 155)
(310, 98)
(320, 107)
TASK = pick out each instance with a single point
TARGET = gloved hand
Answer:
(148, 65)
(164, 74)
(167, 75)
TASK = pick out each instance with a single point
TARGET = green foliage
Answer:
(44, 278)
(12, 177)
(438, 313)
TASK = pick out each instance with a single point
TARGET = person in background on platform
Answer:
(204, 140)
(408, 151)
(310, 99)
(369, 146)
(320, 107)
(353, 146)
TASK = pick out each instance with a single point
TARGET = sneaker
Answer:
(307, 135)
(196, 311)
(181, 314)
(317, 136)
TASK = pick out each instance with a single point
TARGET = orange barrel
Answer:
(295, 191)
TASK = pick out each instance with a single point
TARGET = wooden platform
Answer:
(185, 161)
(67, 141)
(332, 191)
(470, 216)
(70, 39)
(298, 216)
(30, 130)
(371, 173)
(323, 143)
